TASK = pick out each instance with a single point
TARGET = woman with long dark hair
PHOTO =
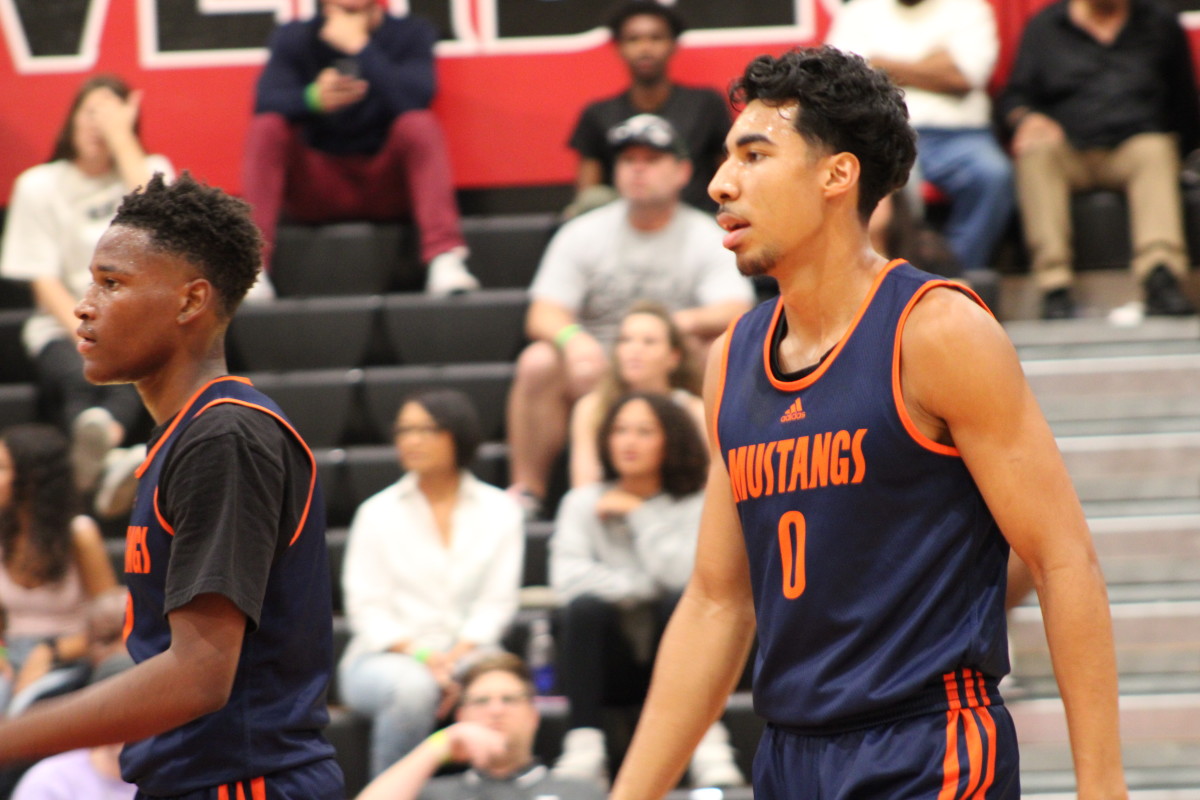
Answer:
(52, 560)
(56, 214)
(621, 554)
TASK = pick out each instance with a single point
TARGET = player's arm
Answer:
(147, 699)
(706, 642)
(962, 382)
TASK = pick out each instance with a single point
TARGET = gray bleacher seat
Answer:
(304, 333)
(506, 249)
(15, 294)
(344, 258)
(367, 470)
(488, 325)
(18, 404)
(15, 366)
(384, 388)
(318, 402)
(537, 553)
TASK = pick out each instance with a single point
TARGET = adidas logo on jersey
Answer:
(795, 411)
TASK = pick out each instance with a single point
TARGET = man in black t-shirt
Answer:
(645, 34)
(229, 620)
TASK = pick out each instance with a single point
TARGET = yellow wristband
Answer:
(566, 334)
(422, 654)
(312, 97)
(440, 739)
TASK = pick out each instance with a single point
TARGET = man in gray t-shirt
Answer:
(645, 246)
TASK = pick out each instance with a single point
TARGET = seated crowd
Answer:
(630, 292)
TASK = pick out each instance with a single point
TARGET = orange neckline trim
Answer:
(178, 416)
(814, 376)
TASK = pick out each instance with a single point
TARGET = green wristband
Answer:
(422, 654)
(565, 335)
(312, 97)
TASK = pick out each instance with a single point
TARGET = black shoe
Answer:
(1058, 304)
(1164, 295)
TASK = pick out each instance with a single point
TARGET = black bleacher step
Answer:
(384, 388)
(345, 258)
(506, 249)
(15, 366)
(304, 333)
(320, 403)
(488, 325)
(18, 404)
(350, 734)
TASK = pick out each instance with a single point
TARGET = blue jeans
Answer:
(400, 695)
(969, 166)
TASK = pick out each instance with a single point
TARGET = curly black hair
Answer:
(42, 487)
(685, 458)
(844, 105)
(202, 224)
(637, 8)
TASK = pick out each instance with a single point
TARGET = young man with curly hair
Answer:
(875, 452)
(229, 619)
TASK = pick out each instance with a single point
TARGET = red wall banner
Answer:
(512, 74)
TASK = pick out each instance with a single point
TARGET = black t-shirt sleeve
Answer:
(225, 491)
(588, 138)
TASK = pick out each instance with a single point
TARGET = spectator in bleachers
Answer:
(1103, 95)
(496, 725)
(943, 52)
(92, 773)
(342, 130)
(51, 562)
(648, 245)
(56, 215)
(648, 356)
(645, 34)
(431, 576)
(621, 554)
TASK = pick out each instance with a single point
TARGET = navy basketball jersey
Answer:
(877, 570)
(277, 706)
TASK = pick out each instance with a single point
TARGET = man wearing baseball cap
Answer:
(646, 245)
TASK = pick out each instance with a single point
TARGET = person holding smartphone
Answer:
(342, 131)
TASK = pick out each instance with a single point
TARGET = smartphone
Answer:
(348, 67)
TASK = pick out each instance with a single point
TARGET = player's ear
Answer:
(197, 296)
(842, 173)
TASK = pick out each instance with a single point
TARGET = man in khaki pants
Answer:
(1103, 95)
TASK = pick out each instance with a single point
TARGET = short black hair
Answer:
(454, 413)
(846, 106)
(638, 8)
(202, 224)
(685, 459)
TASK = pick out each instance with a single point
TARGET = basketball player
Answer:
(876, 450)
(229, 621)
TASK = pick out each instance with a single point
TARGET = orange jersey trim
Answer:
(312, 461)
(178, 416)
(811, 378)
(158, 515)
(897, 392)
(979, 734)
(128, 628)
(716, 414)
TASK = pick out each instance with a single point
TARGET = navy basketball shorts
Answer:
(320, 780)
(952, 755)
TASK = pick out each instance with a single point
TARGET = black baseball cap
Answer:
(648, 130)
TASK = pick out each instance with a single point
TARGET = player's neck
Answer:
(822, 294)
(166, 390)
(650, 96)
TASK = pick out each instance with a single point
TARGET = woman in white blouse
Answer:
(431, 576)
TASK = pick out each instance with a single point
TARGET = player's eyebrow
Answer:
(753, 138)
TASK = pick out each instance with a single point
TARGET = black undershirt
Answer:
(777, 369)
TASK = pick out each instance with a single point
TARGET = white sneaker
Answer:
(262, 290)
(583, 756)
(91, 439)
(448, 274)
(713, 763)
(118, 483)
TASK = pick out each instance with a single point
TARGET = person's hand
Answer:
(335, 91)
(585, 362)
(617, 503)
(441, 666)
(474, 743)
(348, 31)
(115, 118)
(1036, 129)
(40, 661)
